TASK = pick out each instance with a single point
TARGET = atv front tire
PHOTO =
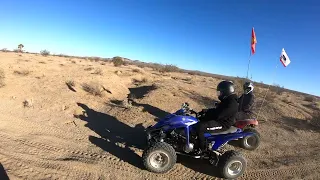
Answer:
(250, 142)
(232, 165)
(159, 158)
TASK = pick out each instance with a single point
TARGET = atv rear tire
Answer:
(232, 165)
(250, 142)
(159, 158)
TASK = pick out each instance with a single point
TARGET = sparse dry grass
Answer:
(2, 77)
(309, 98)
(4, 50)
(22, 72)
(143, 80)
(45, 52)
(88, 69)
(136, 70)
(98, 71)
(93, 88)
(169, 68)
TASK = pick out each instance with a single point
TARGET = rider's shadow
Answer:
(158, 113)
(116, 137)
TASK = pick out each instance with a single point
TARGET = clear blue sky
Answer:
(208, 35)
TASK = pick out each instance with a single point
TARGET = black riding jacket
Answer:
(245, 102)
(224, 113)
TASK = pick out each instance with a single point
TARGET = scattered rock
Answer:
(64, 107)
(118, 72)
(28, 103)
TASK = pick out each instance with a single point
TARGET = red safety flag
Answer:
(253, 41)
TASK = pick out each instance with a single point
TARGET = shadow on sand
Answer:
(112, 132)
(3, 174)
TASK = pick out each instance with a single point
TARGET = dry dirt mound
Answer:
(64, 118)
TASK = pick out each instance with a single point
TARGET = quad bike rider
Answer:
(245, 118)
(246, 101)
(220, 118)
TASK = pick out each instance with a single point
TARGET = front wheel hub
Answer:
(159, 160)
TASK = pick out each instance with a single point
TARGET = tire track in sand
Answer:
(26, 147)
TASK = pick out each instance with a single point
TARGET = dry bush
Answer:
(309, 98)
(4, 50)
(169, 68)
(93, 88)
(42, 62)
(238, 85)
(287, 101)
(143, 80)
(2, 77)
(103, 63)
(27, 103)
(98, 71)
(45, 52)
(22, 72)
(16, 50)
(2, 74)
(315, 120)
(136, 70)
(88, 69)
(73, 61)
(117, 61)
(271, 96)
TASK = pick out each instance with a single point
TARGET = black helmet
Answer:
(224, 89)
(248, 87)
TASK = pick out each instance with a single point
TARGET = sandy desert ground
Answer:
(49, 130)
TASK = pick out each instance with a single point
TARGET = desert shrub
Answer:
(2, 74)
(271, 96)
(2, 77)
(42, 62)
(93, 88)
(143, 80)
(98, 71)
(22, 72)
(103, 63)
(73, 61)
(117, 61)
(16, 50)
(238, 85)
(88, 68)
(136, 70)
(27, 103)
(277, 89)
(4, 50)
(45, 52)
(309, 98)
(287, 101)
(169, 68)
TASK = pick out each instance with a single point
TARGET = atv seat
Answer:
(232, 129)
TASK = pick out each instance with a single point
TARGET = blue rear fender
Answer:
(218, 140)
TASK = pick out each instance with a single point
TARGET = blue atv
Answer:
(175, 134)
